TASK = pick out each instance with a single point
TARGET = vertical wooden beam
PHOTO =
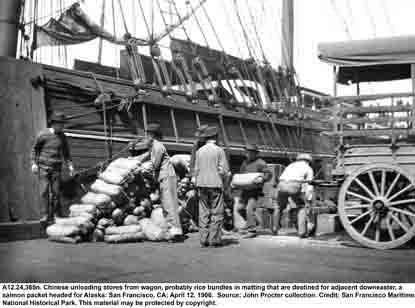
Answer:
(261, 133)
(413, 93)
(225, 137)
(173, 121)
(241, 127)
(197, 119)
(335, 81)
(144, 112)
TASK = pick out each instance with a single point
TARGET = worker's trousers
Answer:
(250, 205)
(49, 185)
(168, 196)
(211, 212)
(300, 196)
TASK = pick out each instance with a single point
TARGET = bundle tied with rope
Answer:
(123, 205)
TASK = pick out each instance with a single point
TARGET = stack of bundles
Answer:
(247, 180)
(123, 205)
(186, 192)
(72, 229)
(181, 164)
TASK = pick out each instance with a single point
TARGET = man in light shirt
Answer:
(210, 172)
(294, 183)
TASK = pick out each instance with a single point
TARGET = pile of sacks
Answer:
(122, 205)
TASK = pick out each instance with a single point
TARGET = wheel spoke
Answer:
(401, 191)
(361, 216)
(392, 185)
(365, 188)
(358, 206)
(402, 202)
(406, 220)
(399, 222)
(375, 186)
(382, 183)
(402, 211)
(390, 230)
(358, 196)
(368, 223)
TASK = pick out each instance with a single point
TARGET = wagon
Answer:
(375, 140)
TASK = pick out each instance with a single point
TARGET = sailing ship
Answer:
(248, 99)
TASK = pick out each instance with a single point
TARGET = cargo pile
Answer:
(122, 205)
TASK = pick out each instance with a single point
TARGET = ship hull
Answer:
(31, 92)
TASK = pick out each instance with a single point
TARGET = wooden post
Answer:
(261, 133)
(334, 81)
(173, 121)
(243, 132)
(225, 137)
(144, 112)
(197, 119)
(413, 93)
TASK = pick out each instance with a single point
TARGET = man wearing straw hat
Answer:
(49, 152)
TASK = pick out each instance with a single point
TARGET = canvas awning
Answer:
(381, 59)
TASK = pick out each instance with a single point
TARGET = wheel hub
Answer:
(380, 206)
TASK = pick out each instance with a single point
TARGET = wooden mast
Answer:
(9, 26)
(287, 35)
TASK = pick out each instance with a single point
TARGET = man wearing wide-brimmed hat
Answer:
(166, 176)
(249, 197)
(210, 172)
(49, 152)
(294, 183)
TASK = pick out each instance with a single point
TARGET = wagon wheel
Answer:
(377, 206)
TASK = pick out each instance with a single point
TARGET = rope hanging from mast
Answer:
(123, 18)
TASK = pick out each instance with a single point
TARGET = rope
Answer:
(198, 77)
(145, 19)
(175, 68)
(102, 22)
(256, 32)
(36, 19)
(123, 17)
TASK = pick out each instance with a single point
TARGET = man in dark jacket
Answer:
(249, 197)
(211, 169)
(49, 152)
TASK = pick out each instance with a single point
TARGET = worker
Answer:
(166, 176)
(249, 197)
(294, 183)
(210, 173)
(199, 142)
(49, 152)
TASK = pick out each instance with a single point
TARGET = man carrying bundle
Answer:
(166, 176)
(294, 183)
(210, 172)
(249, 197)
(49, 152)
